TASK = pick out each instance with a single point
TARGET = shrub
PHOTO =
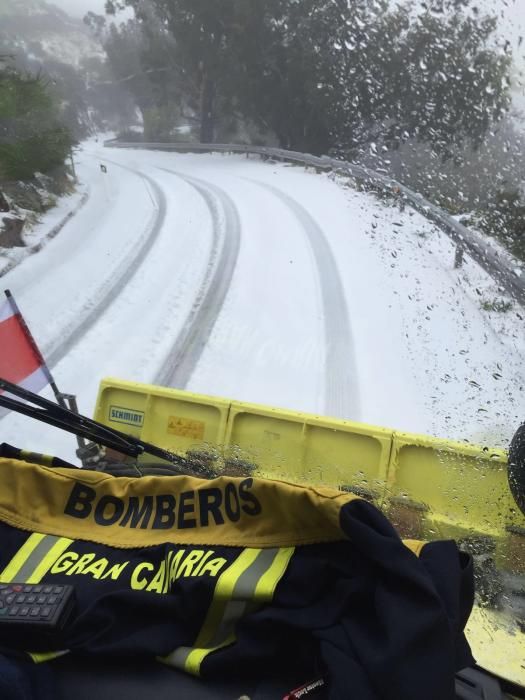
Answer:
(498, 305)
(31, 137)
(504, 218)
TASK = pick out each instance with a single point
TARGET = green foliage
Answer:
(504, 218)
(448, 82)
(394, 73)
(498, 305)
(31, 137)
(39, 36)
(42, 152)
(140, 54)
(332, 75)
(124, 47)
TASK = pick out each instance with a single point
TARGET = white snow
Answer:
(36, 234)
(426, 356)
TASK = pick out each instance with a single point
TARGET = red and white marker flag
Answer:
(21, 361)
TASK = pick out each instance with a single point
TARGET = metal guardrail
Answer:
(488, 258)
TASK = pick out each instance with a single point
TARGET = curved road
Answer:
(114, 286)
(340, 381)
(341, 385)
(209, 298)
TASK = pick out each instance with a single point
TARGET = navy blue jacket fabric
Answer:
(377, 621)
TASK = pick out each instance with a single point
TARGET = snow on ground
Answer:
(36, 235)
(424, 354)
(266, 347)
(518, 266)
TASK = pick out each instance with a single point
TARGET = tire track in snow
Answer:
(341, 384)
(201, 320)
(114, 286)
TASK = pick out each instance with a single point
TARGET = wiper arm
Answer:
(51, 413)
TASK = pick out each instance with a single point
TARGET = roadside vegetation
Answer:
(32, 137)
(422, 92)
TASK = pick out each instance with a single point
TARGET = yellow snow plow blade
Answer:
(430, 488)
(436, 488)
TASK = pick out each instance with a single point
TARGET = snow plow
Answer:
(177, 467)
(429, 488)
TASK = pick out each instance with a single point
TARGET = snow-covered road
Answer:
(260, 282)
(209, 299)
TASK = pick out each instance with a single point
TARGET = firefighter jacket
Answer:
(239, 576)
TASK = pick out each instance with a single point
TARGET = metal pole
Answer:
(73, 164)
(460, 251)
(36, 349)
(71, 400)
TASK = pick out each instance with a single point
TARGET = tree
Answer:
(200, 31)
(281, 71)
(466, 181)
(140, 58)
(123, 46)
(333, 75)
(375, 73)
(504, 218)
(452, 84)
(113, 107)
(32, 139)
(210, 41)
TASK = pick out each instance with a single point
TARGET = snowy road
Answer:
(115, 283)
(266, 284)
(341, 382)
(194, 336)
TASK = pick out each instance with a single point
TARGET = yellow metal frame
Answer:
(430, 488)
(435, 488)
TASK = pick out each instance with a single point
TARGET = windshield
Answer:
(313, 206)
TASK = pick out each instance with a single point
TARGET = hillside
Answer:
(45, 33)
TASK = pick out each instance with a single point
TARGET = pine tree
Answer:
(32, 139)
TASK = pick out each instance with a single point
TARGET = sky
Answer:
(79, 8)
(514, 10)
